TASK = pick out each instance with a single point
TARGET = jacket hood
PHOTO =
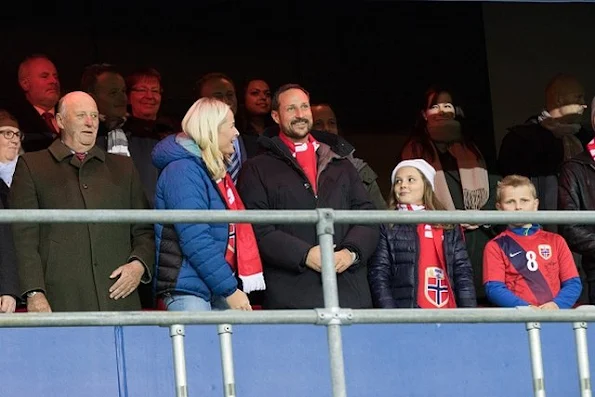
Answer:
(175, 147)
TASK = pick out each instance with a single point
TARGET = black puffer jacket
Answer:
(576, 191)
(392, 270)
(274, 180)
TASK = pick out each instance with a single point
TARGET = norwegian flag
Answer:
(545, 251)
(436, 287)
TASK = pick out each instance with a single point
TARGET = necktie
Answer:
(235, 162)
(48, 118)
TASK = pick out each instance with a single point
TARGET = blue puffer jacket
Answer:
(190, 257)
(393, 269)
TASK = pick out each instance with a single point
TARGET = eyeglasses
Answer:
(8, 134)
(147, 91)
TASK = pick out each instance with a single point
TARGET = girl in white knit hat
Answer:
(419, 266)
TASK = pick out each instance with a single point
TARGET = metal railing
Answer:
(331, 316)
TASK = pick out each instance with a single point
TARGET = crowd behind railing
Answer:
(107, 146)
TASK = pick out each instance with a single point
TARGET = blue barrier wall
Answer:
(381, 360)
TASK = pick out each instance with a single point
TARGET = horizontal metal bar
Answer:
(295, 216)
(158, 216)
(471, 217)
(482, 315)
(161, 318)
(368, 316)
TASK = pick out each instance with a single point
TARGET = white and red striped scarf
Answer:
(591, 148)
(241, 252)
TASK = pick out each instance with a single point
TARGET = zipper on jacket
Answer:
(293, 163)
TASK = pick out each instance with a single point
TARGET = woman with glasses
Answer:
(10, 148)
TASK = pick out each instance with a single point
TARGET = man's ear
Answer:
(25, 84)
(275, 116)
(60, 120)
(498, 207)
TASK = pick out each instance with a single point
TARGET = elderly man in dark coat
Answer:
(80, 267)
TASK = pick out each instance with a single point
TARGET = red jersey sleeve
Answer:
(566, 261)
(494, 264)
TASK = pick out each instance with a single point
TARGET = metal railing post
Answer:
(176, 331)
(533, 329)
(582, 355)
(325, 231)
(229, 383)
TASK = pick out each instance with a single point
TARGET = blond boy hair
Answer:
(514, 181)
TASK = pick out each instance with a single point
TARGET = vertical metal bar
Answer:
(177, 334)
(229, 383)
(533, 329)
(325, 231)
(121, 361)
(582, 354)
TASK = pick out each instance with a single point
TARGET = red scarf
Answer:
(433, 286)
(591, 148)
(305, 155)
(242, 252)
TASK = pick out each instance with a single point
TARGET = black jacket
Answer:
(9, 278)
(141, 143)
(576, 191)
(532, 150)
(393, 269)
(274, 180)
(37, 134)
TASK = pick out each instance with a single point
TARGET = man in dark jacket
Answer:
(35, 109)
(576, 191)
(80, 266)
(326, 121)
(537, 148)
(295, 171)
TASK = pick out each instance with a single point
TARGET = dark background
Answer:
(372, 61)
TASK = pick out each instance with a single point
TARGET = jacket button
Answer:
(85, 186)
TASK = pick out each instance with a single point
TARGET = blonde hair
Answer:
(515, 181)
(429, 198)
(202, 123)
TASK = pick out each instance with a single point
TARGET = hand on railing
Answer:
(239, 301)
(38, 303)
(8, 304)
(549, 306)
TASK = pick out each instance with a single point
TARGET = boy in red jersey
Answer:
(525, 265)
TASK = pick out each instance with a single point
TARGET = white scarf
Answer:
(411, 207)
(7, 171)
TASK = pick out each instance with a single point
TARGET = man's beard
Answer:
(292, 133)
